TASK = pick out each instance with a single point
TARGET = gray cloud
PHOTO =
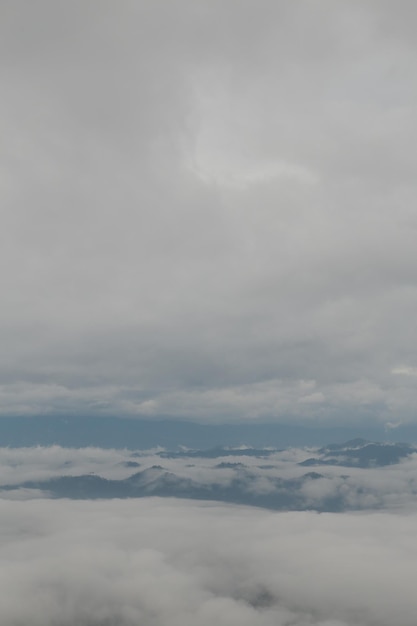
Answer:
(208, 209)
(159, 562)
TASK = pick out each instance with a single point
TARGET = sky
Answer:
(208, 209)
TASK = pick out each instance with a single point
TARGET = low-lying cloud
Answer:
(294, 479)
(160, 562)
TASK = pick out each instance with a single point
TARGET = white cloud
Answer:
(164, 561)
(404, 370)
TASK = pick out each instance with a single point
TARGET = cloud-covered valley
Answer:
(85, 541)
(358, 475)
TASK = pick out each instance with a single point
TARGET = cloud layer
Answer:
(280, 480)
(160, 562)
(208, 209)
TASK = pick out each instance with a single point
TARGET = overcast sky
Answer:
(208, 209)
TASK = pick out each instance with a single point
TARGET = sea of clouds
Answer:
(155, 562)
(387, 488)
(158, 561)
